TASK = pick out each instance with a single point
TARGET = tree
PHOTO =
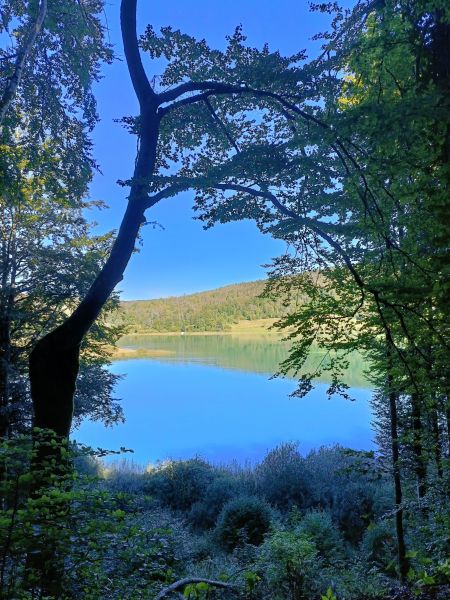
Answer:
(391, 113)
(50, 56)
(30, 32)
(43, 241)
(298, 148)
(217, 77)
(346, 158)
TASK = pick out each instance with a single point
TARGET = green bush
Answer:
(359, 581)
(59, 537)
(86, 464)
(204, 513)
(319, 527)
(353, 509)
(290, 565)
(350, 485)
(244, 520)
(125, 477)
(378, 546)
(282, 478)
(179, 484)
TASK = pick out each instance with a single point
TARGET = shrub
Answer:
(125, 477)
(282, 477)
(85, 464)
(319, 527)
(350, 485)
(204, 513)
(323, 468)
(179, 484)
(378, 546)
(71, 522)
(244, 520)
(290, 565)
(353, 509)
(360, 582)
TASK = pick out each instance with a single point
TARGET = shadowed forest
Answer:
(344, 157)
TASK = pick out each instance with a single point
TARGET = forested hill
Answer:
(214, 310)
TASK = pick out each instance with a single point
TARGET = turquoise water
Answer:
(186, 405)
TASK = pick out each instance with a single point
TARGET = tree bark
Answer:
(401, 546)
(436, 440)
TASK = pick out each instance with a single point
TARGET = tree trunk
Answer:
(6, 304)
(401, 546)
(54, 361)
(417, 446)
(436, 440)
(403, 563)
(5, 366)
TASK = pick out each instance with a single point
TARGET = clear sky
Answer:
(183, 258)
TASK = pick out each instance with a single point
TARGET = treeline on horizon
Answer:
(213, 310)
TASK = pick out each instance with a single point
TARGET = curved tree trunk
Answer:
(54, 360)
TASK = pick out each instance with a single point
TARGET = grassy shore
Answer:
(244, 328)
(256, 326)
(121, 353)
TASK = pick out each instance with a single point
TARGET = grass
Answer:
(123, 353)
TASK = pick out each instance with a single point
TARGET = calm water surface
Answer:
(212, 396)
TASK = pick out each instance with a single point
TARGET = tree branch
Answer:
(22, 56)
(215, 88)
(315, 227)
(307, 222)
(198, 86)
(184, 102)
(187, 580)
(221, 125)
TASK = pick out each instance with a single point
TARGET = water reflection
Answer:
(249, 353)
(211, 396)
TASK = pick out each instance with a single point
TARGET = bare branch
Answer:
(181, 583)
(198, 86)
(221, 125)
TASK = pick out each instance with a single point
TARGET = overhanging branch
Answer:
(21, 57)
(315, 227)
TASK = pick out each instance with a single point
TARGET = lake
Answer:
(211, 396)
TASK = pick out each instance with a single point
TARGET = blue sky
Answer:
(183, 258)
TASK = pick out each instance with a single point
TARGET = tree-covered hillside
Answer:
(214, 310)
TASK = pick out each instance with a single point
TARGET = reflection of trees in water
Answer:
(256, 354)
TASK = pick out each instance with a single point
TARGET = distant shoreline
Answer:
(243, 327)
(257, 327)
